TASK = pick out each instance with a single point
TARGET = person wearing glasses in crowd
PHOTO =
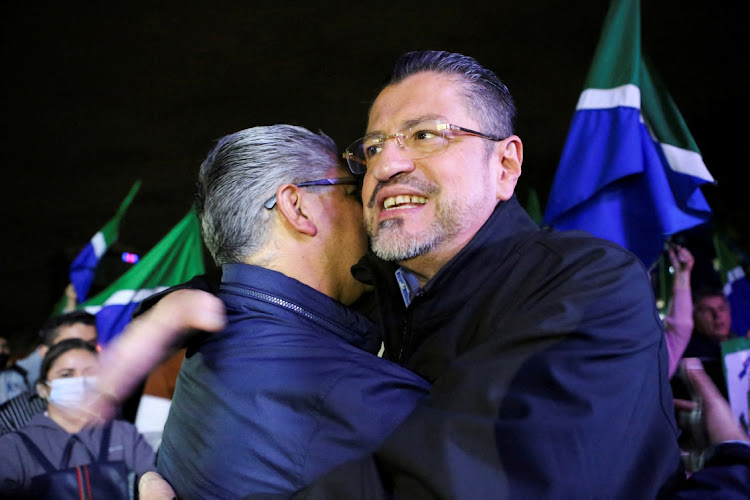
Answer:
(292, 387)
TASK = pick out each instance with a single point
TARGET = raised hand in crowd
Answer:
(147, 341)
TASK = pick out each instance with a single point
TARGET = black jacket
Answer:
(549, 371)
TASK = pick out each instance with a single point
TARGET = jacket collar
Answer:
(495, 241)
(507, 223)
(344, 321)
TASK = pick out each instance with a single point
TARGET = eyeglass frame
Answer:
(334, 181)
(446, 127)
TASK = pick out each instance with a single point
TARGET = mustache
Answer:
(402, 179)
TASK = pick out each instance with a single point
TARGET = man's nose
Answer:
(392, 160)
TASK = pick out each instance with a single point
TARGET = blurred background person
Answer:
(716, 449)
(33, 361)
(67, 369)
(17, 411)
(13, 379)
(678, 323)
(712, 320)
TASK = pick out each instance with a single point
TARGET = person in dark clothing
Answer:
(544, 349)
(292, 387)
(68, 367)
(712, 322)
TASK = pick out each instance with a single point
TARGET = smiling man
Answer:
(544, 349)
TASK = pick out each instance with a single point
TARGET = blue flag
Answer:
(630, 171)
(175, 259)
(83, 267)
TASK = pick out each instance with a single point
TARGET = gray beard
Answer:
(393, 246)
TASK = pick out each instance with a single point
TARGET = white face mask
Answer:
(69, 392)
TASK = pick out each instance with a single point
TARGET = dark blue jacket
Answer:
(288, 391)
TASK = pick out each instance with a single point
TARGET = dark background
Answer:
(97, 95)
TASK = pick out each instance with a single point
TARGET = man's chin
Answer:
(398, 251)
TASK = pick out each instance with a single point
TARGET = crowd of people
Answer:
(514, 362)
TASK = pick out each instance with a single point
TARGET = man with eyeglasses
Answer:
(292, 387)
(544, 349)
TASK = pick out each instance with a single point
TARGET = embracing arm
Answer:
(147, 341)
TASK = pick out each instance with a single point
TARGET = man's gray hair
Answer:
(487, 97)
(244, 170)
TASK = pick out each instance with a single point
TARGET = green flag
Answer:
(175, 259)
(83, 267)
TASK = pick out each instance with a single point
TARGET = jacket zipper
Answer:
(271, 299)
(406, 331)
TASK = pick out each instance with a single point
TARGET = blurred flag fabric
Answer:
(533, 207)
(735, 283)
(83, 267)
(630, 171)
(173, 260)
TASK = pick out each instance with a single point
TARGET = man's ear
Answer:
(294, 207)
(511, 158)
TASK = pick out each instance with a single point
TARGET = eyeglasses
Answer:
(351, 181)
(417, 140)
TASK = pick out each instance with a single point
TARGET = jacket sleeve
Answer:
(725, 475)
(560, 391)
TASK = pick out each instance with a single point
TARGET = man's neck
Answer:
(305, 264)
(424, 267)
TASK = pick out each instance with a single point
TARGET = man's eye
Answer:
(372, 150)
(424, 135)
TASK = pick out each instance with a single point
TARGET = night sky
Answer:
(95, 97)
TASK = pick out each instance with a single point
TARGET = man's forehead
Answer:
(410, 122)
(709, 302)
(421, 95)
(76, 330)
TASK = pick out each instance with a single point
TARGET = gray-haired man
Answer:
(292, 387)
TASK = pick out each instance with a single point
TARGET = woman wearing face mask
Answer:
(67, 370)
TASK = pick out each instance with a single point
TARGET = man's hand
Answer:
(682, 262)
(154, 487)
(147, 340)
(719, 420)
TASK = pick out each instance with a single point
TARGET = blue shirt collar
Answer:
(407, 283)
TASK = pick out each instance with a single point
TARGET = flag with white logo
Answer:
(630, 171)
